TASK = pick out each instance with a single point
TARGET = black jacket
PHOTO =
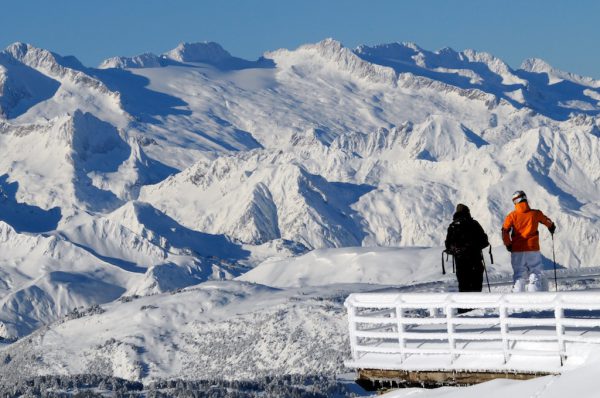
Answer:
(465, 236)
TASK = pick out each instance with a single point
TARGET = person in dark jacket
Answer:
(465, 241)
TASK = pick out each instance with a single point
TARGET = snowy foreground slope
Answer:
(156, 180)
(236, 330)
(574, 384)
(580, 382)
(231, 329)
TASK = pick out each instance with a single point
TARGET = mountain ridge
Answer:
(161, 172)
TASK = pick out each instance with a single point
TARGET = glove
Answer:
(552, 228)
(509, 248)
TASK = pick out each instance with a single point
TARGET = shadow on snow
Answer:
(178, 236)
(21, 216)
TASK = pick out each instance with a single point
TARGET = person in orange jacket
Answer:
(521, 238)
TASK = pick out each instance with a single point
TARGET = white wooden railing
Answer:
(504, 331)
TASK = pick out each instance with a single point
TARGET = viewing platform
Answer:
(432, 339)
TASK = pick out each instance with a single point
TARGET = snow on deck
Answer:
(525, 332)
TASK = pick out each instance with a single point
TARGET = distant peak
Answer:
(18, 49)
(447, 50)
(198, 52)
(202, 52)
(17, 44)
(536, 65)
(330, 42)
(411, 45)
(332, 52)
(33, 56)
(326, 46)
(487, 58)
(146, 60)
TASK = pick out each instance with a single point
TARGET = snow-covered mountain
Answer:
(154, 173)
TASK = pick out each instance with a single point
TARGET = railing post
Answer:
(559, 314)
(401, 330)
(351, 330)
(450, 329)
(503, 314)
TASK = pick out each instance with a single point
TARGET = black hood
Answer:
(462, 212)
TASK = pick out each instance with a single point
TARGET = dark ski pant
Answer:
(469, 272)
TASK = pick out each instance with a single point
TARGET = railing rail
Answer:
(395, 327)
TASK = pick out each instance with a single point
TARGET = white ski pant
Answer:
(527, 271)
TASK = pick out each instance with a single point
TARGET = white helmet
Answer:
(519, 196)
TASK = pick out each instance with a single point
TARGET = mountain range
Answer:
(151, 174)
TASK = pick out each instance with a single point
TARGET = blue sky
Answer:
(564, 33)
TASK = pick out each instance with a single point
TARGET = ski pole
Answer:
(486, 274)
(443, 267)
(554, 261)
(491, 256)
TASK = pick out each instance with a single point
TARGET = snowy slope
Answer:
(381, 266)
(216, 330)
(43, 278)
(232, 329)
(579, 382)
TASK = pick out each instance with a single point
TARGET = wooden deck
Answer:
(377, 379)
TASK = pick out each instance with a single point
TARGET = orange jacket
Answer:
(520, 229)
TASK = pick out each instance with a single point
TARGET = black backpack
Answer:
(465, 235)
